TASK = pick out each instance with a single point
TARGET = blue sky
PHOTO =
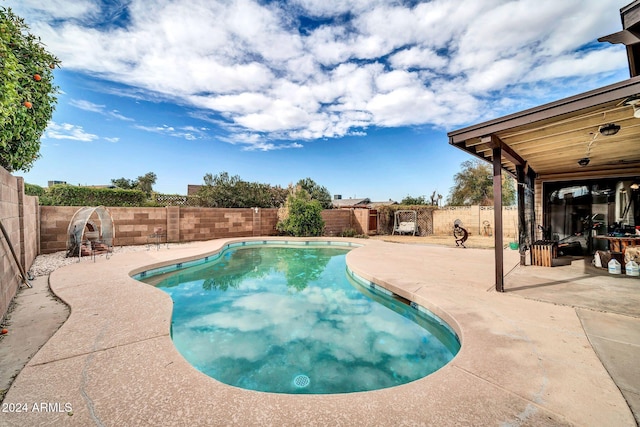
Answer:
(356, 94)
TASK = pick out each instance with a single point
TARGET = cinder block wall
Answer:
(207, 223)
(267, 225)
(31, 224)
(18, 214)
(336, 221)
(133, 226)
(54, 223)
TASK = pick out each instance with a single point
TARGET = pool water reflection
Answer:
(292, 320)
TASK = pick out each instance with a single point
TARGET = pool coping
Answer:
(522, 362)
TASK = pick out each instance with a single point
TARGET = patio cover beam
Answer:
(497, 217)
(495, 141)
(521, 213)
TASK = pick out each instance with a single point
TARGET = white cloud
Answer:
(97, 108)
(363, 63)
(418, 57)
(587, 63)
(189, 133)
(68, 131)
(56, 9)
(86, 105)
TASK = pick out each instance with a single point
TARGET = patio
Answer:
(525, 360)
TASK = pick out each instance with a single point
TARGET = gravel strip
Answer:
(43, 265)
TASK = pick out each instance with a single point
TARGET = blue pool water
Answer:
(294, 320)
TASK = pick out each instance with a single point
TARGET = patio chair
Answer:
(158, 237)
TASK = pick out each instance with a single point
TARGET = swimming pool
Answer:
(295, 319)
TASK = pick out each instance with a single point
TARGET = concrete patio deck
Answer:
(523, 361)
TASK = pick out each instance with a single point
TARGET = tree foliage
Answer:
(316, 192)
(409, 200)
(124, 183)
(27, 92)
(143, 183)
(146, 182)
(225, 191)
(473, 185)
(434, 200)
(301, 216)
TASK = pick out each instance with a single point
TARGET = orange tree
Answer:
(27, 93)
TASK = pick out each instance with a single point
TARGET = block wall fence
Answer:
(186, 224)
(35, 229)
(19, 216)
(133, 226)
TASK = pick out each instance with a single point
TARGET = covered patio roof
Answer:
(547, 143)
(551, 138)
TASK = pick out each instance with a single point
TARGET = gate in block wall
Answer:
(373, 221)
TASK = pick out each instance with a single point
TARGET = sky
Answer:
(357, 95)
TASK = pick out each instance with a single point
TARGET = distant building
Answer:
(340, 203)
(349, 203)
(376, 205)
(52, 183)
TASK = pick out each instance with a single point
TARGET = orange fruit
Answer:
(37, 77)
(27, 104)
(5, 331)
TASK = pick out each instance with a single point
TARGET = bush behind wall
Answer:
(69, 195)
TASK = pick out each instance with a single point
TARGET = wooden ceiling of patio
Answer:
(553, 137)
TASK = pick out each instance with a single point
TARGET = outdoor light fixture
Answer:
(584, 161)
(609, 129)
(634, 101)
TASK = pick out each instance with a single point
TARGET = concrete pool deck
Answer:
(522, 362)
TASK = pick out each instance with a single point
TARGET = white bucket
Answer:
(615, 267)
(631, 268)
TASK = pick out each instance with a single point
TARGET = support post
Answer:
(521, 214)
(497, 216)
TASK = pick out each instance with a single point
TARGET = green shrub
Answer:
(352, 232)
(33, 190)
(69, 195)
(349, 232)
(303, 216)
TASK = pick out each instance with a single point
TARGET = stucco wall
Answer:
(18, 214)
(473, 220)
